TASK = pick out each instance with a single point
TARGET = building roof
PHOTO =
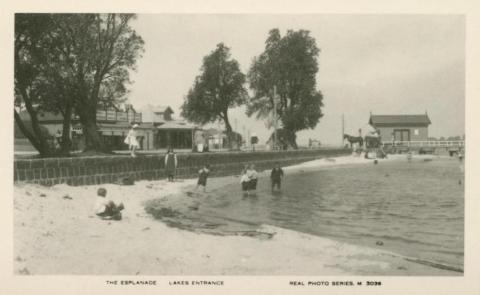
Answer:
(177, 124)
(399, 119)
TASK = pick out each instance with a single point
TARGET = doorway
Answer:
(401, 134)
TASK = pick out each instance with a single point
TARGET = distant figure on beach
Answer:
(106, 209)
(131, 140)
(461, 157)
(202, 177)
(276, 176)
(170, 164)
(252, 178)
(409, 156)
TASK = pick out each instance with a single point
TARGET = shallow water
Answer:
(415, 209)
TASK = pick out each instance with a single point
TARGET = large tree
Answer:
(219, 87)
(71, 64)
(290, 64)
(99, 51)
(33, 39)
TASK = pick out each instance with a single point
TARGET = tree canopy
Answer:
(219, 87)
(290, 64)
(71, 64)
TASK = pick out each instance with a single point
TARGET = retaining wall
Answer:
(107, 169)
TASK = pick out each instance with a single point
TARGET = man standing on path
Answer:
(170, 164)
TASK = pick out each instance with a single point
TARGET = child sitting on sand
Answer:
(106, 209)
(202, 177)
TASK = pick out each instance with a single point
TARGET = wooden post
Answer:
(274, 117)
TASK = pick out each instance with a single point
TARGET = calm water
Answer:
(415, 209)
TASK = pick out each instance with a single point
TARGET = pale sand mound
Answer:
(56, 234)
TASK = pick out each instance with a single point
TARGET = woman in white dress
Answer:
(131, 140)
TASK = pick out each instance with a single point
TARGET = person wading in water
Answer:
(170, 164)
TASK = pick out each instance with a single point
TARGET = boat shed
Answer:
(401, 127)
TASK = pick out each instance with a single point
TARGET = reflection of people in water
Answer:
(409, 156)
(462, 165)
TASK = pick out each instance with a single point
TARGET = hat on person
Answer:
(135, 126)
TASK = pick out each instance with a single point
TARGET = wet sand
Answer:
(56, 232)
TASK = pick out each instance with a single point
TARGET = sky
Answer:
(383, 64)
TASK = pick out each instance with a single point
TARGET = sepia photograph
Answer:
(239, 144)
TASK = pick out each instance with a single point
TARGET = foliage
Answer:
(32, 73)
(290, 64)
(219, 87)
(71, 64)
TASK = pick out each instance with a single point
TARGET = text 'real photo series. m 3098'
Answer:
(246, 144)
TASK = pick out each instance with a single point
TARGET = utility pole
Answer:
(245, 136)
(343, 128)
(274, 117)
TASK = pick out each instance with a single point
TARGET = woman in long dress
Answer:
(131, 140)
(170, 164)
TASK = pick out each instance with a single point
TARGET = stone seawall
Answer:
(107, 169)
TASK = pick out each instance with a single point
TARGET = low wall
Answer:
(105, 169)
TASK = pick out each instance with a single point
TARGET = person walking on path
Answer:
(131, 140)
(170, 164)
(276, 177)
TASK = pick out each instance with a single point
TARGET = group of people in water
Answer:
(249, 178)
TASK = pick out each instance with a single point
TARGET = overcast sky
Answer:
(386, 64)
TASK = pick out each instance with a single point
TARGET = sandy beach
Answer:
(56, 232)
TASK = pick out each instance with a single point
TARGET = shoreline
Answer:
(56, 234)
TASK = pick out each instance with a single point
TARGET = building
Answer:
(401, 127)
(113, 124)
(170, 132)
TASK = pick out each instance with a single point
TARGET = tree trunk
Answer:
(228, 128)
(291, 138)
(39, 143)
(42, 145)
(93, 140)
(66, 142)
(33, 140)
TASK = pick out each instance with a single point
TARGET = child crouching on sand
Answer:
(202, 177)
(106, 209)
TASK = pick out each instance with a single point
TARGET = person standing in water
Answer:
(276, 177)
(170, 164)
(244, 180)
(202, 177)
(131, 140)
(253, 178)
